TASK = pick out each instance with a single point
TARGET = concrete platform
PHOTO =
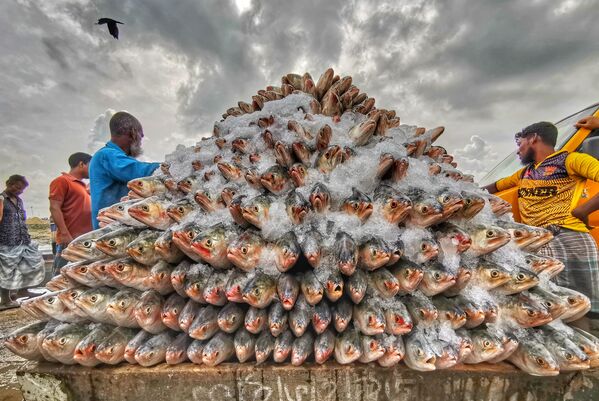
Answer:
(331, 382)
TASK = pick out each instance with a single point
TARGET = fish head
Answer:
(451, 202)
(529, 314)
(211, 243)
(275, 179)
(230, 171)
(473, 204)
(330, 158)
(143, 187)
(536, 359)
(385, 162)
(228, 193)
(150, 211)
(256, 210)
(287, 251)
(302, 151)
(420, 355)
(400, 168)
(186, 184)
(179, 210)
(490, 238)
(298, 173)
(396, 207)
(240, 144)
(334, 286)
(426, 212)
(259, 291)
(492, 274)
(428, 250)
(358, 204)
(320, 197)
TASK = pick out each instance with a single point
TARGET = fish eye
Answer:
(62, 341)
(120, 267)
(208, 242)
(569, 356)
(530, 312)
(372, 252)
(520, 277)
(467, 201)
(23, 339)
(83, 269)
(145, 208)
(490, 233)
(256, 291)
(423, 246)
(120, 208)
(207, 194)
(112, 242)
(190, 234)
(422, 313)
(51, 300)
(93, 298)
(540, 361)
(244, 250)
(494, 273)
(87, 244)
(517, 233)
(419, 352)
(148, 310)
(123, 304)
(437, 276)
(486, 343)
(571, 300)
(445, 199)
(180, 209)
(256, 210)
(424, 209)
(355, 206)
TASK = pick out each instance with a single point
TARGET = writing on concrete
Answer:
(316, 386)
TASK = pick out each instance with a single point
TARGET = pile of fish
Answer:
(310, 227)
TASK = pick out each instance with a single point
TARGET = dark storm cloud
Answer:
(54, 51)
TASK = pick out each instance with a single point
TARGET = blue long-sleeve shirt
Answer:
(109, 171)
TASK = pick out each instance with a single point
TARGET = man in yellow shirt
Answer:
(549, 187)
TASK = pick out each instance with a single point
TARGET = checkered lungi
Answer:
(578, 252)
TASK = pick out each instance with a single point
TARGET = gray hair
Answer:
(122, 123)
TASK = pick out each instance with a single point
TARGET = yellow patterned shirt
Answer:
(549, 190)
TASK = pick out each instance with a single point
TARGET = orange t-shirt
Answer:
(76, 205)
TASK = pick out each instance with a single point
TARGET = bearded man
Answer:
(113, 166)
(549, 188)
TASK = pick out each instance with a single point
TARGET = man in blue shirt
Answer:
(114, 165)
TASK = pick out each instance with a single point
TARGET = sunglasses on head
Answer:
(521, 135)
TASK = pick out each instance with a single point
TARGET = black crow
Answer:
(112, 28)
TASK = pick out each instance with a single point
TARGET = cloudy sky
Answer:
(483, 69)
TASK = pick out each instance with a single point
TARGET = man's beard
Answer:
(136, 149)
(528, 158)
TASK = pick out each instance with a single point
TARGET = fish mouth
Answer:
(287, 303)
(347, 268)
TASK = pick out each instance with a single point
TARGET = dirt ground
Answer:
(10, 320)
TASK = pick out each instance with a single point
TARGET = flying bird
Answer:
(112, 27)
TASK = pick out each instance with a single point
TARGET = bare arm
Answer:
(492, 188)
(56, 212)
(582, 212)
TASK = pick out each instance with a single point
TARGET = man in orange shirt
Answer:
(70, 204)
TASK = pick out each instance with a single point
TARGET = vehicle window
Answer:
(511, 164)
